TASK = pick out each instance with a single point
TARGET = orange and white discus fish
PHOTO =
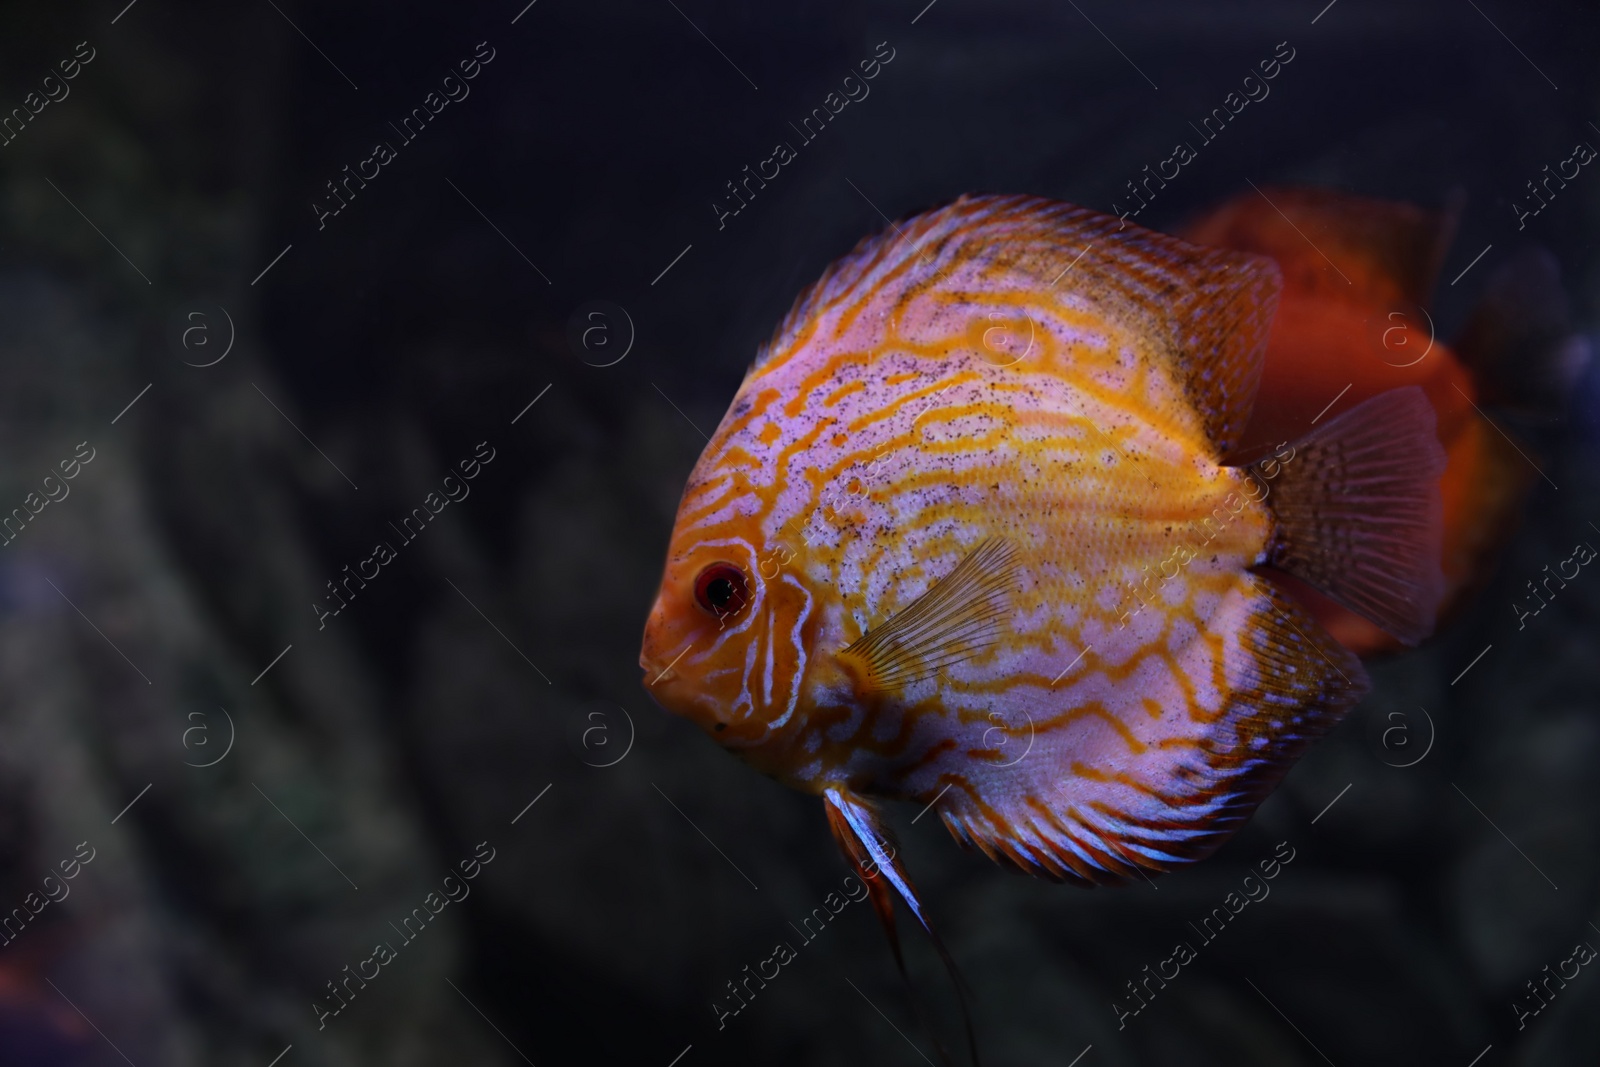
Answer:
(971, 536)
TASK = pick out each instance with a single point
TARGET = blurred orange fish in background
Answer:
(1354, 321)
(971, 535)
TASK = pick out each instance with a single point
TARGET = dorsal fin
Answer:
(1207, 311)
(1333, 244)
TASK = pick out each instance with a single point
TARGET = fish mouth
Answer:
(652, 673)
(652, 661)
(666, 642)
(665, 673)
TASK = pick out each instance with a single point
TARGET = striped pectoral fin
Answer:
(1191, 781)
(956, 618)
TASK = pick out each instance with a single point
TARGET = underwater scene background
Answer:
(379, 340)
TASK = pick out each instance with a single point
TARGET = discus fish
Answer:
(1353, 321)
(966, 538)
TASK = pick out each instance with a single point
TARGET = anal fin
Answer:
(1080, 812)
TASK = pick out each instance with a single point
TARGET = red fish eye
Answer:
(722, 589)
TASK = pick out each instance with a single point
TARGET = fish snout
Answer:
(666, 640)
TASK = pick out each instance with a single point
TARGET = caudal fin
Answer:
(1359, 512)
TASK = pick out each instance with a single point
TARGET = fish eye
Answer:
(722, 589)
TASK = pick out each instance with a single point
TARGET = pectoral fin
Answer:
(955, 619)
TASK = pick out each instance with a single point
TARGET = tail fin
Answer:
(1359, 512)
(870, 848)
